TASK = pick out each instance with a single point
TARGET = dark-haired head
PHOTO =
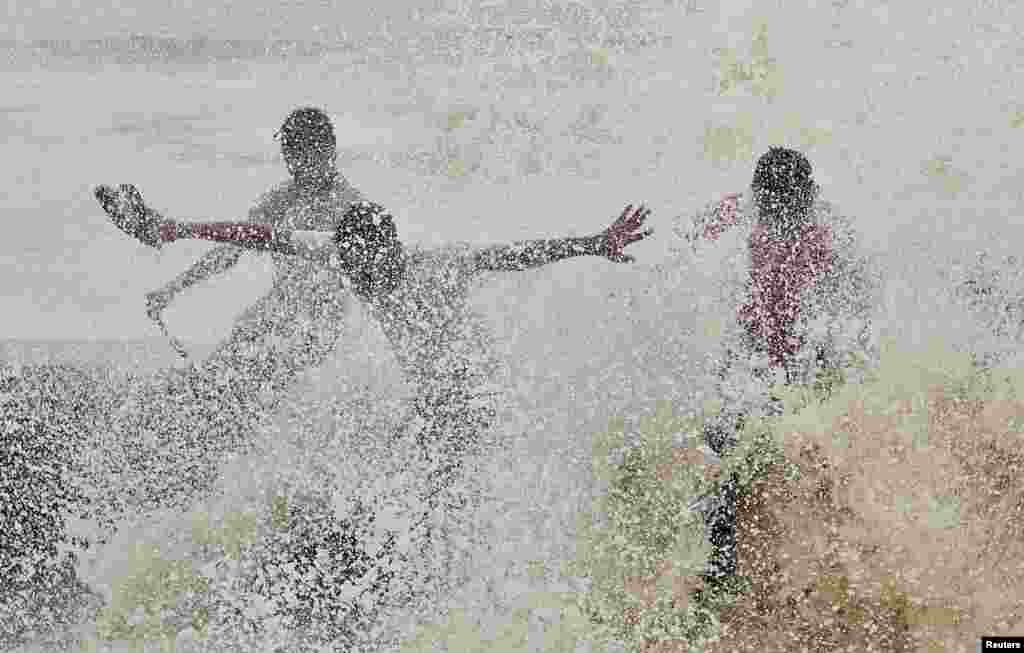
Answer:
(783, 188)
(372, 255)
(308, 145)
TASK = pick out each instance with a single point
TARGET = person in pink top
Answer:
(804, 303)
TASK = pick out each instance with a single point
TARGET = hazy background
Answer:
(882, 90)
(490, 122)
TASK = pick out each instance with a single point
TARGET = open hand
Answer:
(127, 210)
(622, 232)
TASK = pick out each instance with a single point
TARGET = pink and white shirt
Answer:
(799, 302)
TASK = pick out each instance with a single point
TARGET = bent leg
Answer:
(188, 423)
(287, 332)
(248, 362)
(182, 426)
(176, 435)
(721, 434)
(720, 520)
(454, 420)
(720, 430)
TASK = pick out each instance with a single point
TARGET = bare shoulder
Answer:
(344, 196)
(270, 205)
(451, 260)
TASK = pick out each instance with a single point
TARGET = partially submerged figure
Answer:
(805, 294)
(296, 324)
(419, 296)
(190, 420)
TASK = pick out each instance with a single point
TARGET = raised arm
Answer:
(713, 220)
(530, 254)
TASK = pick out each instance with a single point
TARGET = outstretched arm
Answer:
(216, 261)
(536, 253)
(318, 246)
(129, 212)
(713, 220)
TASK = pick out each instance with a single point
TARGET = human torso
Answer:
(292, 208)
(782, 272)
(436, 335)
(781, 275)
(304, 313)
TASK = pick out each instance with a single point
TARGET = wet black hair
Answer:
(307, 130)
(369, 228)
(783, 183)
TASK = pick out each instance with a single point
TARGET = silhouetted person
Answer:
(420, 298)
(805, 303)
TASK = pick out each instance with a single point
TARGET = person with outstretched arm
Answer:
(991, 287)
(291, 329)
(419, 296)
(805, 301)
(294, 326)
